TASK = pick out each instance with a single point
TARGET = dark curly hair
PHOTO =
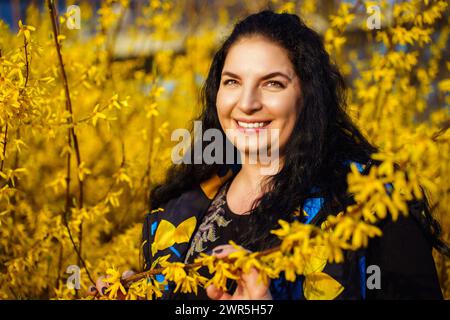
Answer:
(322, 143)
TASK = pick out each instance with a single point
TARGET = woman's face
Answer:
(259, 92)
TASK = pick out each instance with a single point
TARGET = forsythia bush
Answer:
(85, 135)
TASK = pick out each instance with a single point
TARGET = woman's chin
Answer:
(254, 152)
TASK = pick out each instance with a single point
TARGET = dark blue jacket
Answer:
(402, 254)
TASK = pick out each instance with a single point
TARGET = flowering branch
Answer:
(299, 243)
(71, 136)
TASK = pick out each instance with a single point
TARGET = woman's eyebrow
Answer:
(275, 74)
(267, 76)
(231, 74)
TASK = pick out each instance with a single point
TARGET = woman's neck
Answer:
(254, 175)
(247, 186)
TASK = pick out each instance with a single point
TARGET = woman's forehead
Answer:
(258, 55)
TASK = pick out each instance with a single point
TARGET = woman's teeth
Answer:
(252, 124)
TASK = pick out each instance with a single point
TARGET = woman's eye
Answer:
(229, 81)
(275, 84)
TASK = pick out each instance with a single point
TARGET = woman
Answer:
(272, 73)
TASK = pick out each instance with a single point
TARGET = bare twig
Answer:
(445, 126)
(71, 136)
(5, 137)
(61, 255)
(27, 65)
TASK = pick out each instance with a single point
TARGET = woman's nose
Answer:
(249, 100)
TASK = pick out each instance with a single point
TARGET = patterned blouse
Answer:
(219, 226)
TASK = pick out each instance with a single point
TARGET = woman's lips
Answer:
(251, 127)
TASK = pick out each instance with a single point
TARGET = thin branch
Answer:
(444, 128)
(126, 282)
(4, 139)
(4, 147)
(61, 255)
(27, 65)
(71, 136)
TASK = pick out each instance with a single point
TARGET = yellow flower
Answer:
(222, 271)
(137, 290)
(174, 271)
(114, 280)
(25, 30)
(154, 288)
(83, 171)
(402, 36)
(191, 282)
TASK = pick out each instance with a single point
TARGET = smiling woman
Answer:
(259, 90)
(272, 74)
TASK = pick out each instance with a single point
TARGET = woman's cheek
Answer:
(221, 102)
(228, 99)
(225, 107)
